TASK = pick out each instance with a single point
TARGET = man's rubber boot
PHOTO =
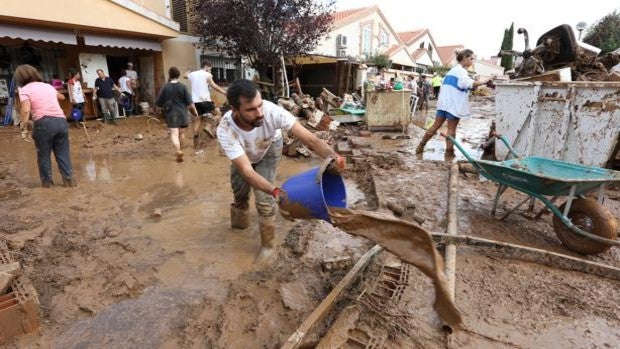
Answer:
(239, 218)
(420, 148)
(267, 228)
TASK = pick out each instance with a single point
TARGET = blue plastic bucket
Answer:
(310, 197)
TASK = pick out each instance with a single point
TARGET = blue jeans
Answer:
(266, 167)
(52, 134)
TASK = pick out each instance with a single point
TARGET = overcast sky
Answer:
(479, 25)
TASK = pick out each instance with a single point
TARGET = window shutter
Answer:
(179, 13)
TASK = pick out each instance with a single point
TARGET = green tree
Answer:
(605, 34)
(379, 60)
(507, 43)
(263, 31)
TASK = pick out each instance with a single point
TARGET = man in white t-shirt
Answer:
(134, 83)
(124, 82)
(200, 80)
(251, 136)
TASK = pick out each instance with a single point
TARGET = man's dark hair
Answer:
(206, 63)
(173, 73)
(239, 88)
(99, 70)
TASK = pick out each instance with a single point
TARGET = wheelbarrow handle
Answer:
(506, 143)
(460, 148)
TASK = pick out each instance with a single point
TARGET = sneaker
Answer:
(180, 156)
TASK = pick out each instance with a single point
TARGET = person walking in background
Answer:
(56, 82)
(424, 91)
(103, 91)
(175, 101)
(411, 85)
(127, 92)
(200, 81)
(76, 94)
(453, 103)
(436, 82)
(134, 83)
(50, 132)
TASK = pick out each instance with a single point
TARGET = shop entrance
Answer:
(116, 64)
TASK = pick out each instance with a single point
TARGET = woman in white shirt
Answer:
(453, 103)
(76, 94)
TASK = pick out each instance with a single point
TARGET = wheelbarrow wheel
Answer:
(592, 217)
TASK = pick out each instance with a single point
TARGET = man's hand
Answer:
(337, 164)
(283, 203)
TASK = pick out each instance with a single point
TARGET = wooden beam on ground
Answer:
(450, 253)
(328, 303)
(530, 254)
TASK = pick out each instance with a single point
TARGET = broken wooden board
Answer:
(330, 301)
(314, 118)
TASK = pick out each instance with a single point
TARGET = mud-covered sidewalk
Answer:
(110, 274)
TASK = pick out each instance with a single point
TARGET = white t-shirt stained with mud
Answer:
(255, 143)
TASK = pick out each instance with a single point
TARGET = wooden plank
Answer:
(530, 254)
(328, 303)
(450, 253)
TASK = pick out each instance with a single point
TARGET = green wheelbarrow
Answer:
(583, 225)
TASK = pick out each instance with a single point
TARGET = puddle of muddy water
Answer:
(471, 133)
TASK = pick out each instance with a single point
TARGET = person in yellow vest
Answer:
(436, 82)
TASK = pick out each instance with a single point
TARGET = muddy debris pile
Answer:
(559, 56)
(315, 114)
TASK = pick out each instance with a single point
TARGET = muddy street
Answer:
(110, 273)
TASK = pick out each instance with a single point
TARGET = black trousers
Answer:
(52, 134)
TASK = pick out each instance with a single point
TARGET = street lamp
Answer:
(580, 27)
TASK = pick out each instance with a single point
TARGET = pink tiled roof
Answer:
(392, 50)
(447, 53)
(346, 16)
(410, 36)
(418, 53)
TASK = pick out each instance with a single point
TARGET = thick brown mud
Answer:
(110, 274)
(409, 242)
